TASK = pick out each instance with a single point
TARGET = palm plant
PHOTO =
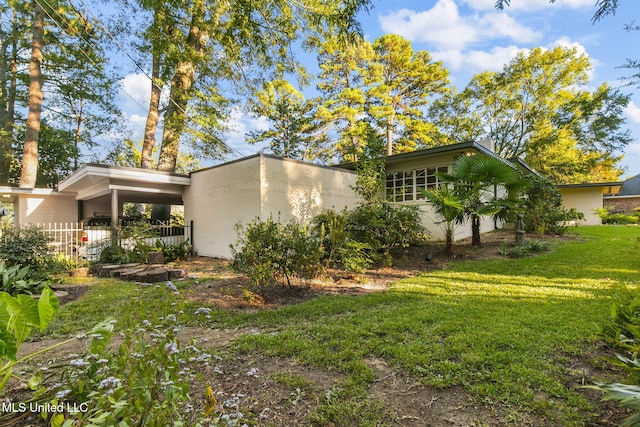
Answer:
(449, 206)
(487, 186)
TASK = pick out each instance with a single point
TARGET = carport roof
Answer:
(133, 184)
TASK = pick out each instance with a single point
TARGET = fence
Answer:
(81, 242)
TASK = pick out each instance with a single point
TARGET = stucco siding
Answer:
(45, 209)
(217, 199)
(585, 200)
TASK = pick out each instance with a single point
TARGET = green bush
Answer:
(619, 218)
(543, 210)
(271, 252)
(28, 246)
(357, 239)
(622, 332)
(523, 249)
(19, 280)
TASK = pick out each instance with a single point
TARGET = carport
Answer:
(102, 189)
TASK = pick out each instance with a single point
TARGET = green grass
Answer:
(504, 329)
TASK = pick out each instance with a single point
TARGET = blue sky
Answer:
(470, 36)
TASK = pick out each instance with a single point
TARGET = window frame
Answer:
(403, 185)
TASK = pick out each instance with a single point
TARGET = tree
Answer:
(295, 132)
(400, 83)
(539, 107)
(343, 99)
(448, 205)
(29, 172)
(241, 43)
(486, 186)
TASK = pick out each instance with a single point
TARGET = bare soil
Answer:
(275, 391)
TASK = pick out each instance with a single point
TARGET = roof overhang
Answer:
(133, 184)
(605, 187)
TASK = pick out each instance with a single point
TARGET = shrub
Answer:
(619, 218)
(523, 249)
(622, 331)
(18, 280)
(355, 240)
(28, 246)
(543, 210)
(269, 252)
(383, 226)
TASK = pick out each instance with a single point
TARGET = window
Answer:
(405, 186)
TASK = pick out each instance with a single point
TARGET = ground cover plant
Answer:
(492, 342)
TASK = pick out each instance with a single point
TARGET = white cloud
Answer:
(444, 27)
(498, 25)
(475, 61)
(440, 25)
(633, 113)
(136, 88)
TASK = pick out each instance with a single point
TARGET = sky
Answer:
(471, 36)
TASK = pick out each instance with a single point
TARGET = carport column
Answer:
(114, 217)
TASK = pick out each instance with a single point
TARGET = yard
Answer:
(478, 340)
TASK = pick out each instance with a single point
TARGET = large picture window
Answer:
(405, 186)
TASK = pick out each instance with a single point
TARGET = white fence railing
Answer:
(79, 242)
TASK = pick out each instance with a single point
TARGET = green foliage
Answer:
(18, 316)
(382, 226)
(143, 381)
(357, 239)
(270, 252)
(28, 246)
(524, 249)
(622, 331)
(609, 217)
(547, 114)
(543, 211)
(18, 280)
(175, 252)
(295, 130)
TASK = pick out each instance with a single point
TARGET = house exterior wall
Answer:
(299, 191)
(429, 219)
(100, 206)
(45, 208)
(217, 199)
(585, 200)
(257, 187)
(622, 203)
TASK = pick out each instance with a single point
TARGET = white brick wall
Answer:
(259, 186)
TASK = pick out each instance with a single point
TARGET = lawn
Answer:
(496, 341)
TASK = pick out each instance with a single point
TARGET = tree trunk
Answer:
(448, 247)
(29, 170)
(180, 92)
(475, 230)
(8, 79)
(152, 118)
(390, 135)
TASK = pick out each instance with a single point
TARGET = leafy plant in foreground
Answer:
(623, 333)
(18, 316)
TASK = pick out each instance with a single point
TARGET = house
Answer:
(215, 199)
(586, 198)
(408, 173)
(627, 198)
